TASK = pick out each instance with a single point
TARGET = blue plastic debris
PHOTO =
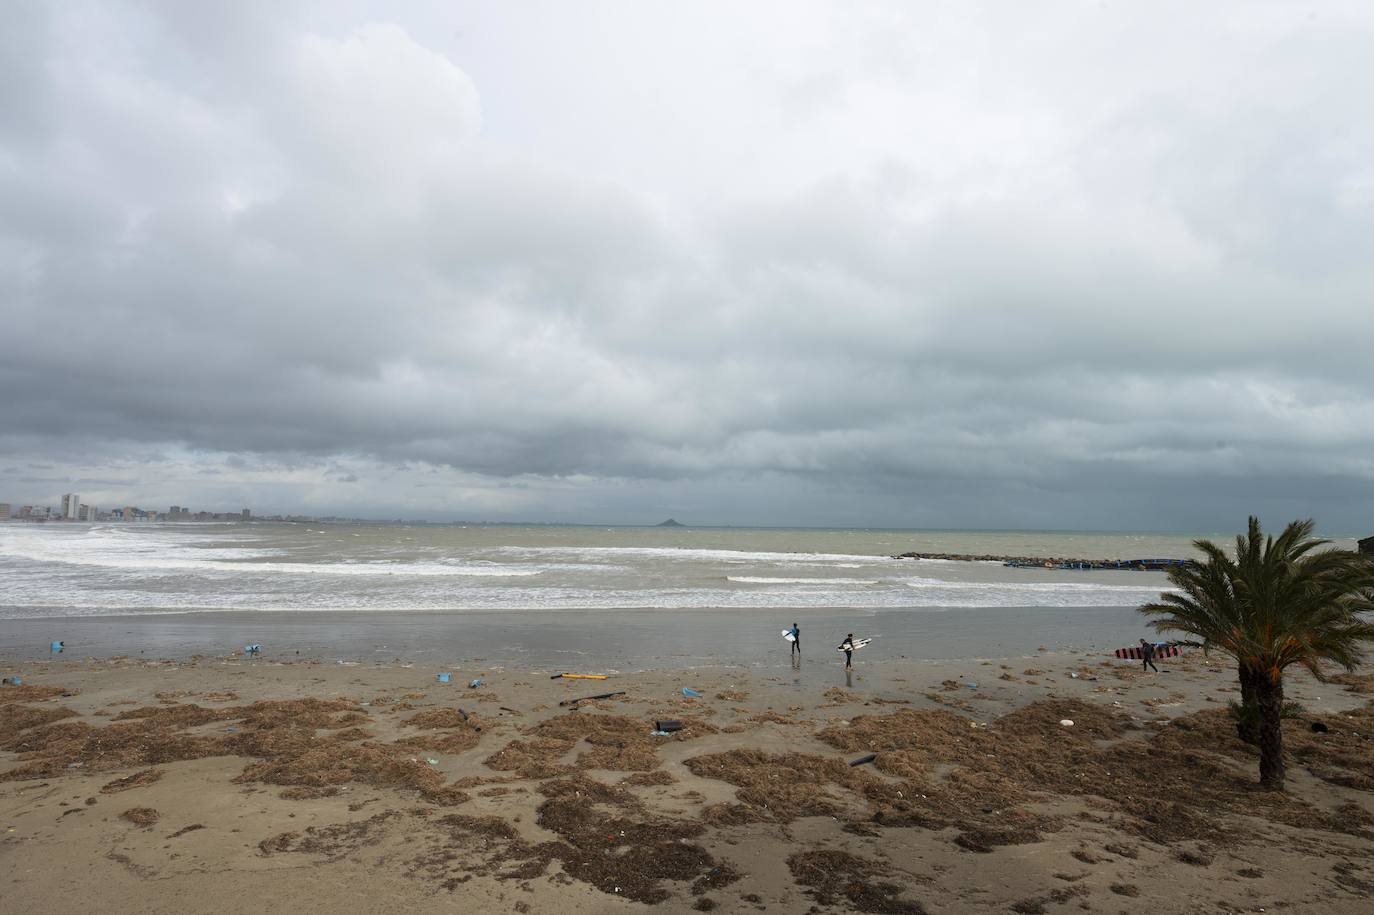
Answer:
(474, 684)
(444, 678)
(57, 647)
(688, 691)
(252, 650)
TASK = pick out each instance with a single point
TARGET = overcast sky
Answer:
(1064, 265)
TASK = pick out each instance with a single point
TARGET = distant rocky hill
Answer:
(671, 522)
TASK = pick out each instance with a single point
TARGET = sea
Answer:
(633, 594)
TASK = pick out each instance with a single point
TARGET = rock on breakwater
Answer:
(1052, 562)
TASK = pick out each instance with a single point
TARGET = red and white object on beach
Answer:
(1161, 651)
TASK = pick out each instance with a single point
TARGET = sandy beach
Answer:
(226, 784)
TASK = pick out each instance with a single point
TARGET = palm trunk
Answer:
(1247, 720)
(1269, 694)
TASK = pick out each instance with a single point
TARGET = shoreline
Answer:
(622, 638)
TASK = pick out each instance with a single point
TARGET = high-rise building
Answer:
(71, 506)
(128, 514)
(175, 513)
(4, 511)
(87, 513)
(247, 515)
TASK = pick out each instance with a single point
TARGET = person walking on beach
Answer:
(1147, 656)
(847, 646)
(796, 640)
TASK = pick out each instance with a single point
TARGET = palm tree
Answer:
(1279, 602)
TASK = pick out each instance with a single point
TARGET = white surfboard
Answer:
(858, 643)
(787, 634)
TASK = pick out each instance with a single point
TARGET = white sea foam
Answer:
(124, 551)
(767, 580)
(54, 570)
(1047, 587)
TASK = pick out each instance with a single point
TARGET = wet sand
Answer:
(218, 784)
(620, 639)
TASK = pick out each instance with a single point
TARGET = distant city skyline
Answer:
(73, 509)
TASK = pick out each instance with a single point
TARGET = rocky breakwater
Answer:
(1054, 562)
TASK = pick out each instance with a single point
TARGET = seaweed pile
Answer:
(945, 771)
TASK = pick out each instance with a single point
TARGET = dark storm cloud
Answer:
(932, 268)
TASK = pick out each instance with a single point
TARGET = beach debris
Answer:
(867, 758)
(56, 647)
(668, 725)
(136, 780)
(834, 878)
(1319, 728)
(567, 702)
(438, 717)
(443, 678)
(659, 734)
(1073, 674)
(432, 761)
(690, 693)
(1066, 722)
(31, 693)
(16, 681)
(141, 816)
(969, 684)
(252, 651)
(474, 684)
(580, 677)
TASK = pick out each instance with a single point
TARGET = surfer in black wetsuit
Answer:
(796, 640)
(847, 646)
(1147, 655)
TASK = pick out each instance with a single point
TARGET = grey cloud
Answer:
(319, 256)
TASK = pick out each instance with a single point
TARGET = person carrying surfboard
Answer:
(847, 646)
(1147, 655)
(796, 640)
